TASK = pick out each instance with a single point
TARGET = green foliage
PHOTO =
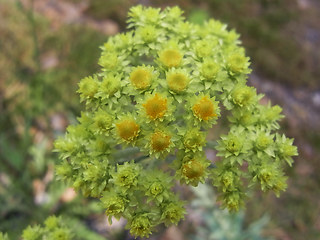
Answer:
(160, 88)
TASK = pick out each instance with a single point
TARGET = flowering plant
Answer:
(148, 111)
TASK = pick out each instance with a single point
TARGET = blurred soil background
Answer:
(47, 46)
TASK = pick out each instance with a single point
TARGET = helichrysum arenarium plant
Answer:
(159, 91)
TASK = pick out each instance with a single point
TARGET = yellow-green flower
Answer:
(109, 61)
(172, 213)
(114, 203)
(238, 63)
(192, 169)
(126, 175)
(110, 86)
(209, 69)
(160, 141)
(140, 225)
(205, 48)
(177, 80)
(157, 186)
(233, 201)
(127, 129)
(102, 122)
(148, 33)
(141, 77)
(194, 140)
(88, 87)
(243, 96)
(156, 107)
(205, 109)
(170, 57)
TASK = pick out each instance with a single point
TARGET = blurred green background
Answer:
(47, 46)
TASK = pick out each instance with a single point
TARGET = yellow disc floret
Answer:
(128, 129)
(156, 107)
(141, 77)
(177, 81)
(170, 57)
(160, 141)
(204, 109)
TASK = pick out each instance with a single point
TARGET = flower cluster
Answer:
(54, 229)
(148, 111)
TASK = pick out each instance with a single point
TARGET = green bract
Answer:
(148, 112)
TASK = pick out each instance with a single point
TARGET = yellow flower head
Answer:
(237, 63)
(88, 87)
(177, 81)
(193, 169)
(156, 107)
(209, 69)
(148, 33)
(128, 129)
(160, 141)
(109, 60)
(204, 109)
(170, 57)
(141, 77)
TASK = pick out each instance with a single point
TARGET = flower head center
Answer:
(156, 107)
(170, 57)
(236, 63)
(160, 141)
(204, 109)
(193, 169)
(210, 69)
(177, 81)
(128, 129)
(141, 77)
